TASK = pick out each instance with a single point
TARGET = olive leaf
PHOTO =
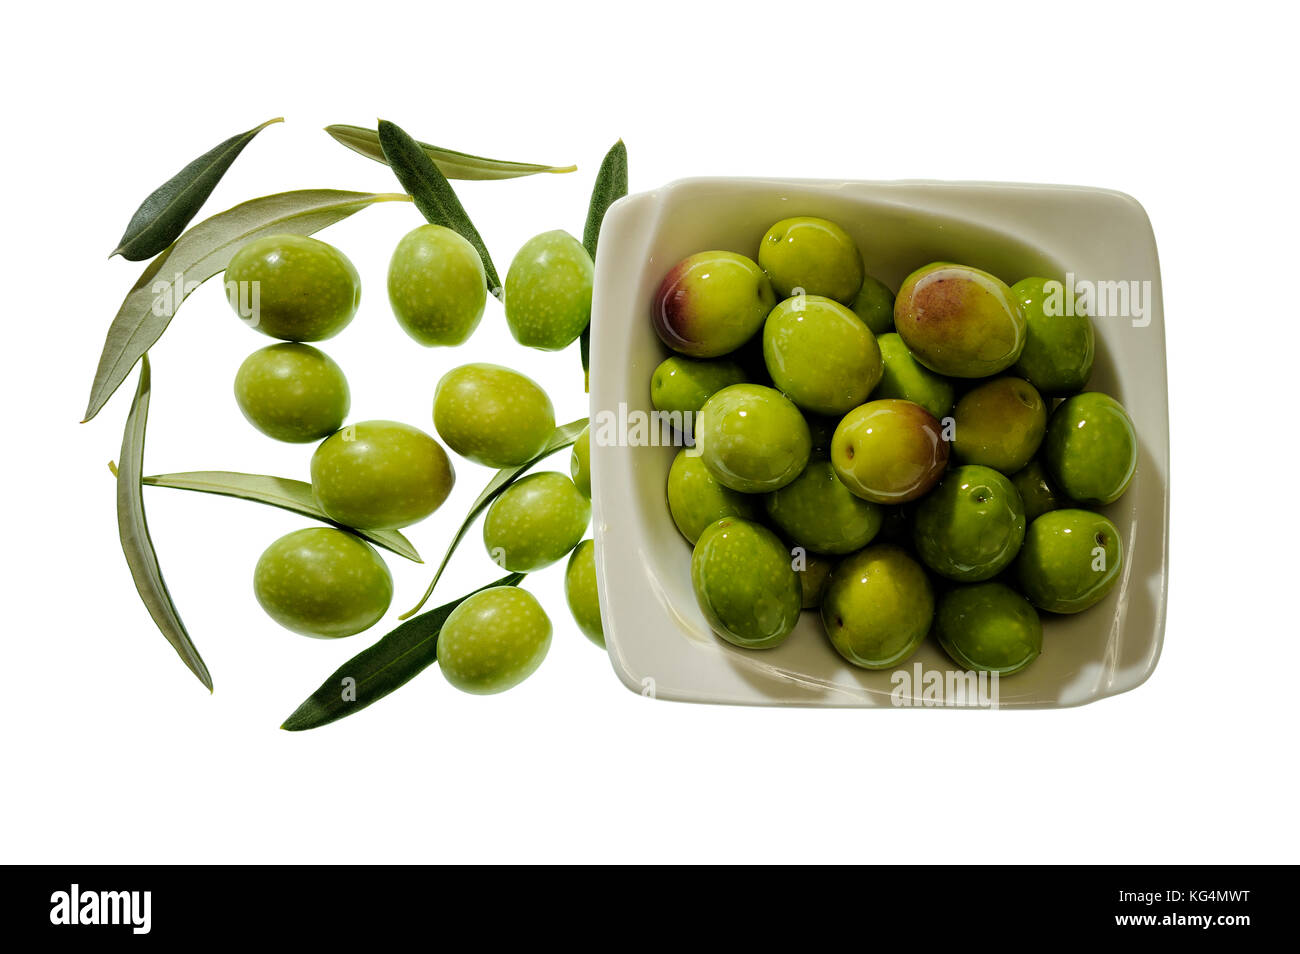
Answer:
(389, 664)
(292, 495)
(611, 185)
(169, 208)
(432, 193)
(563, 436)
(134, 531)
(452, 164)
(204, 251)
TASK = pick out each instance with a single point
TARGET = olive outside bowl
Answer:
(659, 642)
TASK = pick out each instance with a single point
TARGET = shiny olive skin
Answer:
(820, 354)
(813, 254)
(1091, 448)
(380, 475)
(1070, 561)
(292, 392)
(437, 286)
(1059, 347)
(492, 415)
(581, 593)
(1037, 490)
(814, 572)
(752, 438)
(889, 451)
(682, 384)
(999, 424)
(297, 288)
(959, 321)
(535, 521)
(580, 462)
(971, 526)
(874, 304)
(878, 607)
(696, 499)
(906, 379)
(548, 291)
(711, 303)
(494, 640)
(816, 511)
(989, 627)
(745, 583)
(323, 582)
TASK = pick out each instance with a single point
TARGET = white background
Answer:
(112, 752)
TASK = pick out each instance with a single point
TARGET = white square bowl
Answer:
(659, 641)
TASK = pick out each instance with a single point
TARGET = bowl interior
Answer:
(660, 642)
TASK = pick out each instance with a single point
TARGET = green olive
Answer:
(292, 392)
(492, 415)
(548, 291)
(380, 475)
(581, 593)
(535, 521)
(437, 286)
(696, 499)
(323, 582)
(293, 287)
(580, 462)
(494, 640)
(745, 583)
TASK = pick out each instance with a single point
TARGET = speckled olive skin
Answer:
(745, 583)
(820, 354)
(817, 511)
(437, 286)
(535, 521)
(1091, 448)
(813, 254)
(492, 415)
(878, 607)
(494, 640)
(906, 379)
(874, 304)
(1037, 491)
(971, 526)
(323, 582)
(548, 291)
(999, 424)
(1059, 348)
(814, 572)
(711, 303)
(752, 439)
(580, 462)
(380, 475)
(959, 321)
(1070, 561)
(306, 290)
(989, 627)
(684, 384)
(696, 499)
(292, 392)
(581, 593)
(889, 451)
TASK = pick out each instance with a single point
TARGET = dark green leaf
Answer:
(292, 495)
(611, 185)
(387, 665)
(433, 194)
(563, 437)
(169, 208)
(134, 531)
(204, 251)
(452, 164)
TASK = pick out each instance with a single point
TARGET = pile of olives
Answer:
(385, 475)
(893, 461)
